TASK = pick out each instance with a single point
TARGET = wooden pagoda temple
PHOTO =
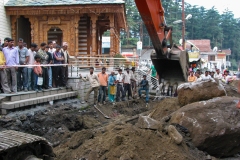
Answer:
(81, 23)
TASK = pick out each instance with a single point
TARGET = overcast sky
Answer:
(220, 5)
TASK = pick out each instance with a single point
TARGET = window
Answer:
(211, 58)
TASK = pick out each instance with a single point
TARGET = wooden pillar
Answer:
(112, 39)
(117, 41)
(94, 32)
(14, 27)
(76, 25)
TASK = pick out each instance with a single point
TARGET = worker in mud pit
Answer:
(218, 75)
(144, 85)
(94, 86)
(192, 77)
(119, 81)
(206, 76)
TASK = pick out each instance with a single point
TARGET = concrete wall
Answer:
(5, 27)
(81, 87)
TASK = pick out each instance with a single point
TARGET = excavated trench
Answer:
(78, 132)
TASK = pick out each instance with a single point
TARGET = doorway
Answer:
(24, 30)
(55, 34)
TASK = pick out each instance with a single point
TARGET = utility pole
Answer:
(183, 26)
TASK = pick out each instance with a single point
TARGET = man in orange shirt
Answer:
(103, 80)
(191, 77)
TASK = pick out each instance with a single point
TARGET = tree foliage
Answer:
(222, 29)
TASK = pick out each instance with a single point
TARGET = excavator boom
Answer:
(170, 61)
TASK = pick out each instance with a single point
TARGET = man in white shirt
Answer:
(119, 81)
(50, 50)
(94, 83)
(218, 75)
(206, 76)
(128, 76)
(66, 57)
(32, 53)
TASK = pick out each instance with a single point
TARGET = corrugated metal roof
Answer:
(58, 2)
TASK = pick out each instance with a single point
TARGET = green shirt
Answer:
(154, 72)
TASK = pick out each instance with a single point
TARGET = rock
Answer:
(198, 91)
(146, 122)
(214, 125)
(174, 134)
(23, 117)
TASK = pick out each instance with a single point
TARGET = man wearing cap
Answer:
(12, 58)
(66, 58)
(144, 85)
(103, 79)
(94, 83)
(44, 60)
(58, 76)
(22, 79)
(119, 81)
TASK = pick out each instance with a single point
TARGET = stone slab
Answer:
(30, 101)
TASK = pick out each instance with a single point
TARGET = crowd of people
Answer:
(225, 77)
(27, 69)
(118, 87)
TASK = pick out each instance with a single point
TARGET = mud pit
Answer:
(83, 133)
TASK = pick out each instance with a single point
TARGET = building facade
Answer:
(80, 23)
(5, 29)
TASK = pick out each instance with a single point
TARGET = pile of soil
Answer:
(120, 140)
(125, 141)
(165, 108)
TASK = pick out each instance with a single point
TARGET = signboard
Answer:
(139, 45)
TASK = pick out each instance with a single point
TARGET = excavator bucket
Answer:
(170, 61)
(174, 68)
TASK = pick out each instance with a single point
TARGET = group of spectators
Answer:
(208, 75)
(117, 86)
(22, 67)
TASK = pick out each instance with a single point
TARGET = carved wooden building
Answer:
(81, 23)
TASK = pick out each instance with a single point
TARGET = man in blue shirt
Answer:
(144, 86)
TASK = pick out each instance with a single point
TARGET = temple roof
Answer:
(13, 3)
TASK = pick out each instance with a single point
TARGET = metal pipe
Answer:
(183, 26)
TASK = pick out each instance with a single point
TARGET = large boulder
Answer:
(198, 91)
(214, 125)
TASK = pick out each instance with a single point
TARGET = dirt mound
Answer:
(165, 108)
(126, 141)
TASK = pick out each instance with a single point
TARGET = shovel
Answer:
(102, 112)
